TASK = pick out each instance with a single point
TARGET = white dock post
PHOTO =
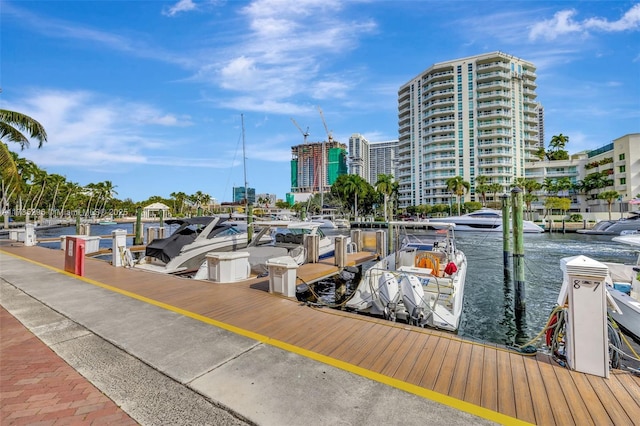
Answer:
(29, 234)
(118, 247)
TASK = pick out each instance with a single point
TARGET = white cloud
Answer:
(181, 6)
(563, 23)
(85, 130)
(286, 49)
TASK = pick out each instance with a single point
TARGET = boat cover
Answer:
(166, 249)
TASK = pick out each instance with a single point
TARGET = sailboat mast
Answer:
(244, 163)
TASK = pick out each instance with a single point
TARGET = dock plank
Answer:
(489, 397)
(523, 402)
(611, 404)
(459, 380)
(538, 394)
(473, 394)
(434, 368)
(504, 383)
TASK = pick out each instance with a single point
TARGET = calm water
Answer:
(488, 303)
(488, 312)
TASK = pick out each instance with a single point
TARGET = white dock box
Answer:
(91, 244)
(17, 234)
(228, 267)
(282, 275)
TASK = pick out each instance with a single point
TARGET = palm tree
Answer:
(564, 184)
(107, 192)
(531, 186)
(179, 198)
(556, 147)
(42, 179)
(550, 186)
(71, 188)
(482, 187)
(610, 197)
(459, 187)
(558, 142)
(56, 181)
(494, 188)
(384, 185)
(12, 126)
(354, 185)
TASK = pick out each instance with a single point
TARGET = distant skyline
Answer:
(149, 94)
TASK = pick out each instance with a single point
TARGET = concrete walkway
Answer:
(162, 368)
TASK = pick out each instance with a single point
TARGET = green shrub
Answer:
(576, 217)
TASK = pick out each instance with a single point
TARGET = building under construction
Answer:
(315, 166)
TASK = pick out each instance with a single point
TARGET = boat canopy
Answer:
(166, 249)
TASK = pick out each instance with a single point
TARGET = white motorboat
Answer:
(280, 238)
(286, 238)
(628, 225)
(324, 221)
(486, 220)
(186, 248)
(623, 285)
(422, 283)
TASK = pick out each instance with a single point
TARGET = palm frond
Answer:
(13, 123)
(8, 170)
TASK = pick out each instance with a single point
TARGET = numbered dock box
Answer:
(282, 275)
(74, 251)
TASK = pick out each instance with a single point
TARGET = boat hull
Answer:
(630, 317)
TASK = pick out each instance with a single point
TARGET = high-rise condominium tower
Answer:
(468, 117)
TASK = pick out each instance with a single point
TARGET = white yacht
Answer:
(186, 248)
(324, 221)
(624, 226)
(486, 220)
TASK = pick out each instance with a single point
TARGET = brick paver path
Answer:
(38, 387)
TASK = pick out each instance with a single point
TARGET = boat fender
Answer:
(451, 268)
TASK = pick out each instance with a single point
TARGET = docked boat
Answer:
(277, 239)
(623, 285)
(324, 221)
(421, 283)
(486, 220)
(342, 223)
(628, 225)
(186, 248)
(286, 238)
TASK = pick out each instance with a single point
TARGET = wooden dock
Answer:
(474, 377)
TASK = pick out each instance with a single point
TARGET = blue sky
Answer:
(149, 94)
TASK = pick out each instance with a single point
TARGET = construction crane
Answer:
(304, 134)
(325, 126)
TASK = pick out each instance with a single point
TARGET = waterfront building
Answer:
(359, 160)
(238, 195)
(315, 167)
(540, 111)
(371, 159)
(466, 117)
(383, 159)
(618, 160)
